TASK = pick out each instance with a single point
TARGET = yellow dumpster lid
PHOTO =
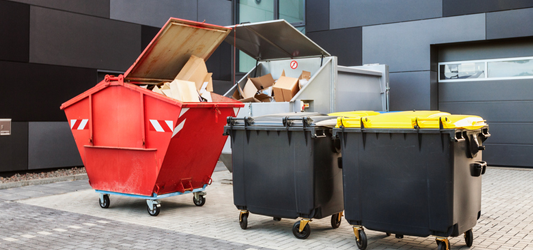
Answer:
(172, 47)
(415, 119)
(351, 119)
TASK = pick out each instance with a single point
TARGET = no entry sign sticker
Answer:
(294, 64)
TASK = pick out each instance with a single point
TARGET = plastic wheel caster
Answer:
(104, 203)
(469, 238)
(154, 211)
(277, 218)
(399, 236)
(442, 246)
(361, 243)
(200, 201)
(244, 221)
(388, 234)
(336, 221)
(304, 233)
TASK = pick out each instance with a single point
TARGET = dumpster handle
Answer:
(91, 119)
(142, 120)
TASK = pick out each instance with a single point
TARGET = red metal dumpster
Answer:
(139, 143)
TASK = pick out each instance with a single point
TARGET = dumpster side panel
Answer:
(238, 146)
(467, 190)
(117, 115)
(328, 177)
(352, 185)
(78, 118)
(122, 170)
(302, 148)
(194, 149)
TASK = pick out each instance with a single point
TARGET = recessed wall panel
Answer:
(462, 7)
(14, 148)
(98, 8)
(316, 15)
(350, 13)
(508, 155)
(51, 145)
(406, 46)
(501, 90)
(343, 43)
(15, 28)
(153, 12)
(68, 39)
(410, 90)
(493, 111)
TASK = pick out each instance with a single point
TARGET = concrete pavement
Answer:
(67, 215)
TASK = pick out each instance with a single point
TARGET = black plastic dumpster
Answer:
(286, 166)
(413, 173)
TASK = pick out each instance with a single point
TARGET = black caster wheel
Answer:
(244, 221)
(335, 221)
(388, 234)
(104, 203)
(200, 201)
(469, 238)
(304, 233)
(154, 211)
(361, 243)
(442, 246)
(399, 236)
(277, 219)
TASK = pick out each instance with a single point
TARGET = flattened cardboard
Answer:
(250, 99)
(157, 90)
(237, 95)
(263, 98)
(193, 71)
(263, 82)
(184, 91)
(209, 80)
(285, 89)
(207, 95)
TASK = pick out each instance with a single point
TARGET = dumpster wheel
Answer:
(199, 199)
(336, 220)
(469, 238)
(443, 243)
(360, 237)
(104, 201)
(243, 219)
(299, 232)
(153, 207)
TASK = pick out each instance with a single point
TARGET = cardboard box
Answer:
(209, 80)
(193, 71)
(285, 88)
(250, 90)
(263, 82)
(304, 79)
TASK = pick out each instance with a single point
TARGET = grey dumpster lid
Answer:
(170, 49)
(273, 40)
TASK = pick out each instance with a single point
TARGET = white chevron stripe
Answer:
(183, 110)
(72, 122)
(236, 111)
(156, 125)
(178, 128)
(170, 125)
(82, 124)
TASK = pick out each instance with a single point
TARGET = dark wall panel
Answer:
(511, 133)
(14, 148)
(147, 34)
(34, 92)
(508, 155)
(350, 13)
(491, 49)
(64, 38)
(51, 145)
(513, 23)
(220, 62)
(217, 12)
(462, 7)
(98, 8)
(346, 44)
(316, 15)
(410, 90)
(502, 90)
(153, 12)
(15, 28)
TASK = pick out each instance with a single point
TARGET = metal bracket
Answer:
(151, 203)
(198, 194)
(356, 231)
(243, 212)
(303, 223)
(445, 240)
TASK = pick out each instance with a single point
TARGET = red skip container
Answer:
(139, 143)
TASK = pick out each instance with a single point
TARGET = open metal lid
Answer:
(273, 40)
(172, 47)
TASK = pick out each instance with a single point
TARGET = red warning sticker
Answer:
(294, 64)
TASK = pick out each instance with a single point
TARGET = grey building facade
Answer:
(51, 51)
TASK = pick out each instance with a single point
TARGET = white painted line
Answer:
(89, 224)
(170, 124)
(76, 227)
(183, 110)
(10, 239)
(44, 233)
(103, 221)
(82, 124)
(60, 230)
(72, 122)
(156, 125)
(179, 127)
(28, 236)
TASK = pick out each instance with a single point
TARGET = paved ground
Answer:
(67, 216)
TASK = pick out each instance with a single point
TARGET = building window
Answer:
(293, 11)
(493, 69)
